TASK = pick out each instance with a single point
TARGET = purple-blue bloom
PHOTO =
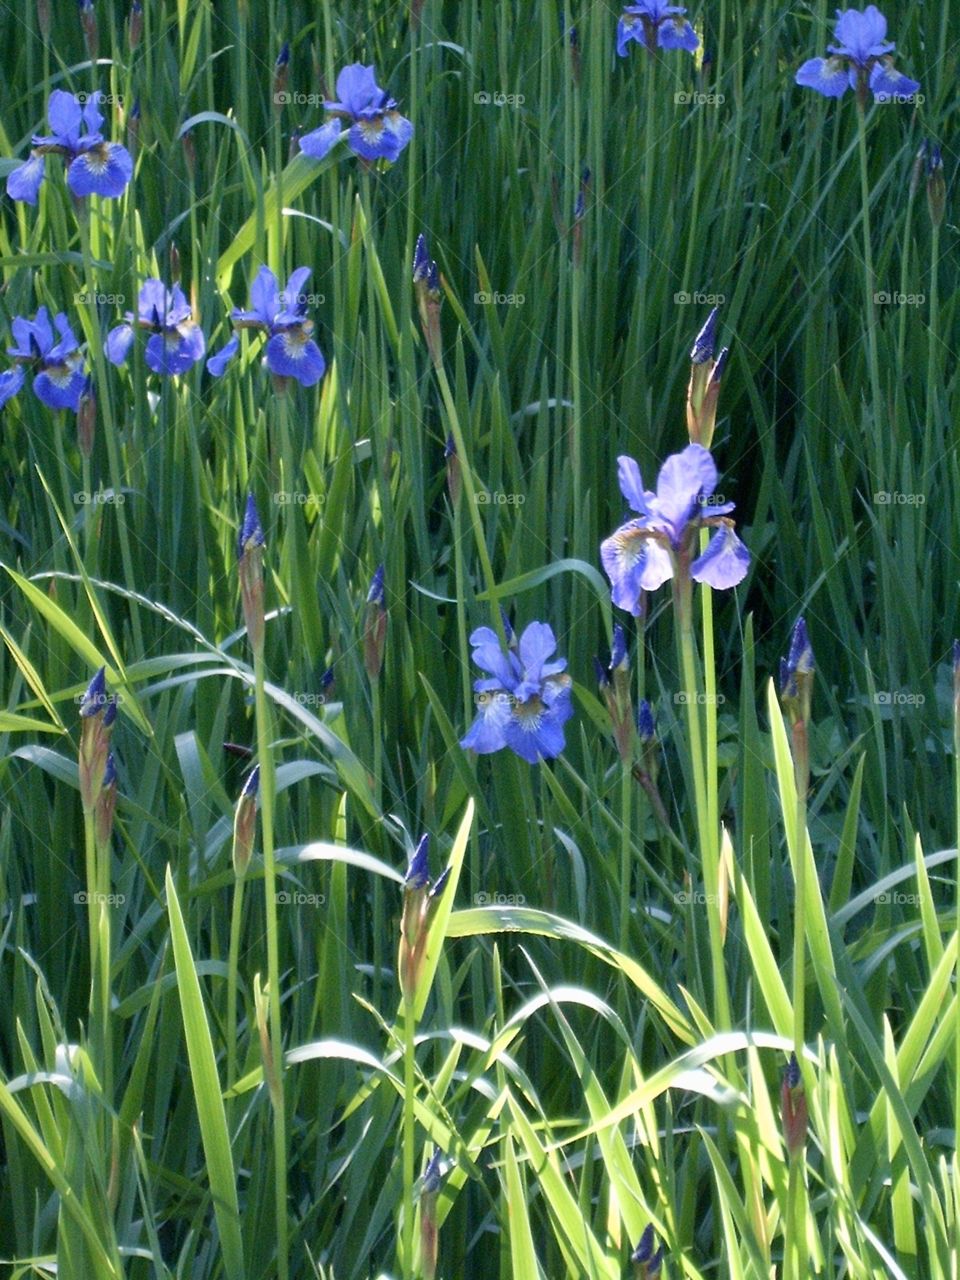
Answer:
(291, 352)
(61, 377)
(859, 60)
(645, 552)
(251, 530)
(653, 23)
(418, 871)
(94, 166)
(377, 132)
(177, 342)
(526, 701)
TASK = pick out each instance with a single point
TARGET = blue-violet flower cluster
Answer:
(660, 542)
(94, 166)
(291, 351)
(527, 700)
(61, 378)
(653, 23)
(859, 60)
(177, 343)
(377, 130)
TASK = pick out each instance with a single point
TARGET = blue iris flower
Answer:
(61, 377)
(177, 343)
(859, 60)
(94, 166)
(291, 352)
(377, 130)
(647, 551)
(654, 23)
(526, 702)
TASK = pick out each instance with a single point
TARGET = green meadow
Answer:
(245, 1035)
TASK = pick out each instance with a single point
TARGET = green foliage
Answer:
(569, 1058)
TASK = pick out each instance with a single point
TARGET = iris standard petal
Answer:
(64, 115)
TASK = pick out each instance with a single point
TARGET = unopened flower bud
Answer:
(250, 555)
(426, 282)
(793, 1109)
(375, 627)
(936, 187)
(281, 69)
(86, 418)
(647, 1263)
(98, 710)
(428, 1217)
(106, 804)
(135, 25)
(88, 21)
(245, 823)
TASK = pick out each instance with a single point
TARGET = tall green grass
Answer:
(569, 1058)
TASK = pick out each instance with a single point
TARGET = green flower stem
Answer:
(379, 925)
(233, 965)
(956, 784)
(900, 415)
(99, 1006)
(110, 427)
(464, 648)
(267, 796)
(470, 493)
(710, 700)
(795, 1223)
(801, 767)
(626, 860)
(409, 1087)
(870, 306)
(707, 835)
(934, 380)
